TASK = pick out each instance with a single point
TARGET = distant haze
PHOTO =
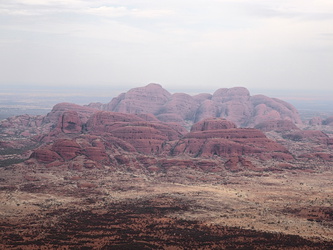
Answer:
(180, 44)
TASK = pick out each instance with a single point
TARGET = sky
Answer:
(183, 45)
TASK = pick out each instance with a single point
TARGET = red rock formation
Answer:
(273, 109)
(55, 116)
(234, 104)
(148, 117)
(319, 155)
(144, 139)
(181, 104)
(104, 121)
(71, 122)
(95, 105)
(277, 125)
(67, 149)
(148, 99)
(45, 155)
(97, 154)
(171, 117)
(212, 124)
(22, 125)
(226, 141)
(233, 94)
(310, 135)
(202, 97)
(238, 163)
(207, 109)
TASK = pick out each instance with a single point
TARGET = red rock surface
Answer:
(277, 125)
(58, 111)
(148, 99)
(238, 163)
(45, 155)
(104, 121)
(97, 154)
(212, 124)
(234, 104)
(22, 125)
(310, 135)
(145, 137)
(319, 155)
(227, 142)
(71, 122)
(81, 137)
(67, 149)
(266, 108)
(181, 104)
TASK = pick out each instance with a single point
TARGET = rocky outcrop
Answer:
(234, 104)
(307, 135)
(45, 155)
(212, 124)
(224, 139)
(320, 155)
(266, 109)
(277, 125)
(105, 121)
(22, 126)
(238, 163)
(56, 114)
(148, 99)
(67, 149)
(71, 122)
(184, 105)
(145, 136)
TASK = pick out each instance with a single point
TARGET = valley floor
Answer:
(43, 208)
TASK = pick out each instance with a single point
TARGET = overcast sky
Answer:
(180, 44)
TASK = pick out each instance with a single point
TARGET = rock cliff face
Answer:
(235, 104)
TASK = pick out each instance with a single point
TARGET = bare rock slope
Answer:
(235, 104)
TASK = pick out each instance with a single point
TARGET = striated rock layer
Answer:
(221, 138)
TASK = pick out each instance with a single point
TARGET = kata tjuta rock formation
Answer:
(111, 138)
(220, 137)
(234, 104)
